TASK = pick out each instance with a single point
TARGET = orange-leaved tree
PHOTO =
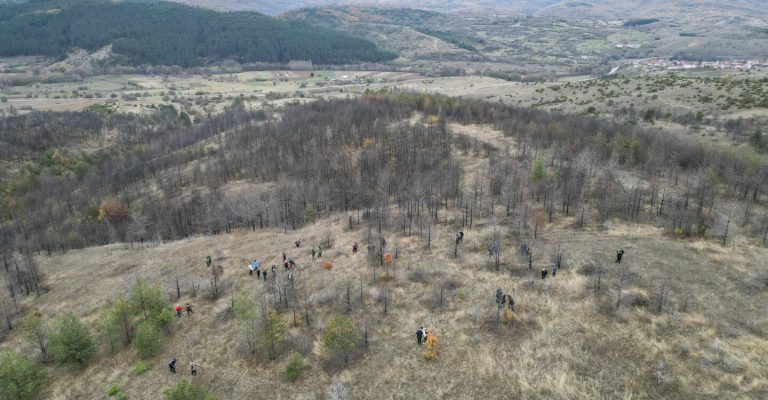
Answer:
(431, 342)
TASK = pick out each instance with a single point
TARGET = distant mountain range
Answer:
(164, 33)
(612, 9)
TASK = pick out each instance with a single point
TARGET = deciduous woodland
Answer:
(163, 178)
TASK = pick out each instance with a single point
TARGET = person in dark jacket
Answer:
(172, 365)
(619, 254)
(544, 273)
(419, 335)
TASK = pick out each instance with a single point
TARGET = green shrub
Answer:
(149, 338)
(186, 391)
(164, 318)
(114, 390)
(148, 299)
(295, 367)
(20, 379)
(539, 171)
(341, 337)
(70, 341)
(141, 367)
(272, 331)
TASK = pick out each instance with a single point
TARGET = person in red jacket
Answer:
(178, 311)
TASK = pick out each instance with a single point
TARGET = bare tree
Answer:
(337, 390)
(622, 282)
(662, 296)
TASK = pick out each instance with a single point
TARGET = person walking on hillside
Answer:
(354, 248)
(619, 254)
(313, 254)
(554, 269)
(284, 256)
(291, 263)
(319, 251)
(264, 274)
(189, 309)
(178, 311)
(544, 273)
(286, 265)
(419, 335)
(193, 368)
(208, 261)
(510, 302)
(297, 243)
(172, 365)
(500, 297)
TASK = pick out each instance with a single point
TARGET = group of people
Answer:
(318, 253)
(255, 266)
(192, 366)
(179, 310)
(502, 299)
(544, 272)
(525, 251)
(422, 335)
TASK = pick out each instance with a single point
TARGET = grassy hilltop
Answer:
(681, 317)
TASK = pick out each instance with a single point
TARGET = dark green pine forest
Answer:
(165, 33)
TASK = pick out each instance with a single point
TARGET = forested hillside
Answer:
(172, 34)
(160, 178)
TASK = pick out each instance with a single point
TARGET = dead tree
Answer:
(176, 278)
(349, 297)
(662, 296)
(727, 225)
(599, 271)
(622, 282)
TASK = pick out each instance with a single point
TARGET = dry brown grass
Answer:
(565, 341)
